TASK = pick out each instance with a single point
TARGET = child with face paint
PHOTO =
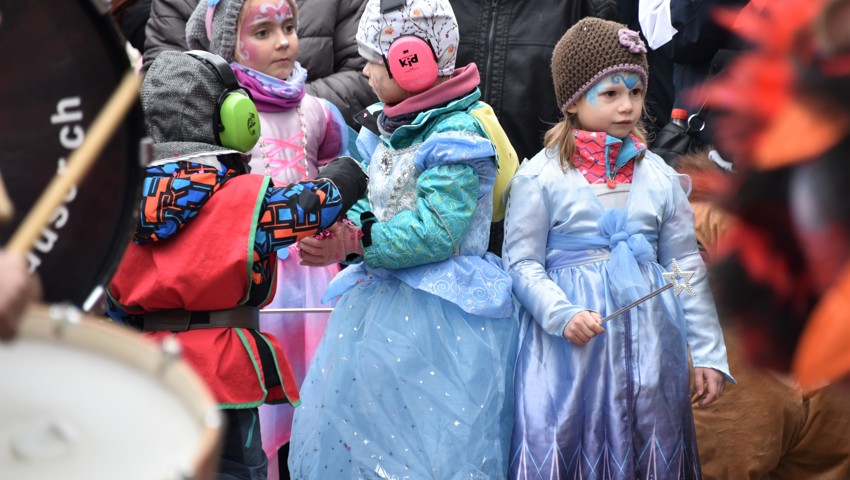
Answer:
(299, 134)
(592, 222)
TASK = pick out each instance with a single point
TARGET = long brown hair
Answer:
(562, 135)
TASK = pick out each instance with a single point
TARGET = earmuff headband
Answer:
(222, 69)
(236, 120)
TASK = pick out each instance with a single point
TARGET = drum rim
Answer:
(52, 322)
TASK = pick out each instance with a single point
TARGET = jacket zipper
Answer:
(491, 35)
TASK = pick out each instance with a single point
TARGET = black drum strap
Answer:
(272, 379)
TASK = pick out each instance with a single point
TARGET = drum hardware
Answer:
(64, 316)
(170, 349)
(95, 298)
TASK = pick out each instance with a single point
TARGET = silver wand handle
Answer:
(673, 282)
(636, 303)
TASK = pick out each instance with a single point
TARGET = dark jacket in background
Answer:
(326, 47)
(328, 50)
(660, 94)
(131, 16)
(166, 28)
(694, 47)
(511, 41)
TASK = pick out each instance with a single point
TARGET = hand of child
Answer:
(708, 385)
(582, 327)
(341, 240)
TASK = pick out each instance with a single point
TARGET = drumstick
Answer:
(7, 209)
(79, 163)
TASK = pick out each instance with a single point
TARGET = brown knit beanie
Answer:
(589, 51)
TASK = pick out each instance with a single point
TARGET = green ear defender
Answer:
(240, 123)
(236, 122)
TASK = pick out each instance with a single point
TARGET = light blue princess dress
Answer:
(619, 406)
(413, 378)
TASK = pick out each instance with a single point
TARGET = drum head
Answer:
(62, 60)
(89, 399)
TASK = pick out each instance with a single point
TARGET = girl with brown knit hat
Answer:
(598, 222)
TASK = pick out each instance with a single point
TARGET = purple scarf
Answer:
(272, 94)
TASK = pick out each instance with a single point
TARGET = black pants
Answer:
(242, 456)
(282, 458)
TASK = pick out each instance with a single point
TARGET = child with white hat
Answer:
(413, 376)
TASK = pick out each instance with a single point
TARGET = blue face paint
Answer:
(592, 95)
(630, 80)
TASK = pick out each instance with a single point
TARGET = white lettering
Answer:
(63, 115)
(47, 241)
(72, 192)
(71, 142)
(60, 217)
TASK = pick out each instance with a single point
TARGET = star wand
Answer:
(673, 282)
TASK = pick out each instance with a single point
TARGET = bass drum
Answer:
(87, 399)
(62, 60)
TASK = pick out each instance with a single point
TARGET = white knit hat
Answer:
(431, 20)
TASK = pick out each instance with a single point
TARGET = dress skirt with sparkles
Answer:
(406, 385)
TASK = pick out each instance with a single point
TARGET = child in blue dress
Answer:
(413, 377)
(592, 222)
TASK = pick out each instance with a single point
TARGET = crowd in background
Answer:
(758, 168)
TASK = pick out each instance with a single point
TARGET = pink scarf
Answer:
(463, 81)
(272, 94)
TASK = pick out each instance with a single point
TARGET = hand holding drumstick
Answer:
(17, 286)
(17, 289)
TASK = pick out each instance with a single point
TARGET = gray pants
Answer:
(242, 456)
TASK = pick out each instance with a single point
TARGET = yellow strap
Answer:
(507, 162)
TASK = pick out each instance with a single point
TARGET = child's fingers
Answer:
(715, 384)
(311, 244)
(572, 334)
(711, 394)
(597, 328)
(721, 386)
(699, 383)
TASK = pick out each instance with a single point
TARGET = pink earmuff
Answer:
(412, 63)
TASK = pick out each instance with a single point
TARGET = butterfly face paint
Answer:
(267, 39)
(614, 105)
(627, 79)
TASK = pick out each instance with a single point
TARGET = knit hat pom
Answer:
(432, 20)
(589, 51)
